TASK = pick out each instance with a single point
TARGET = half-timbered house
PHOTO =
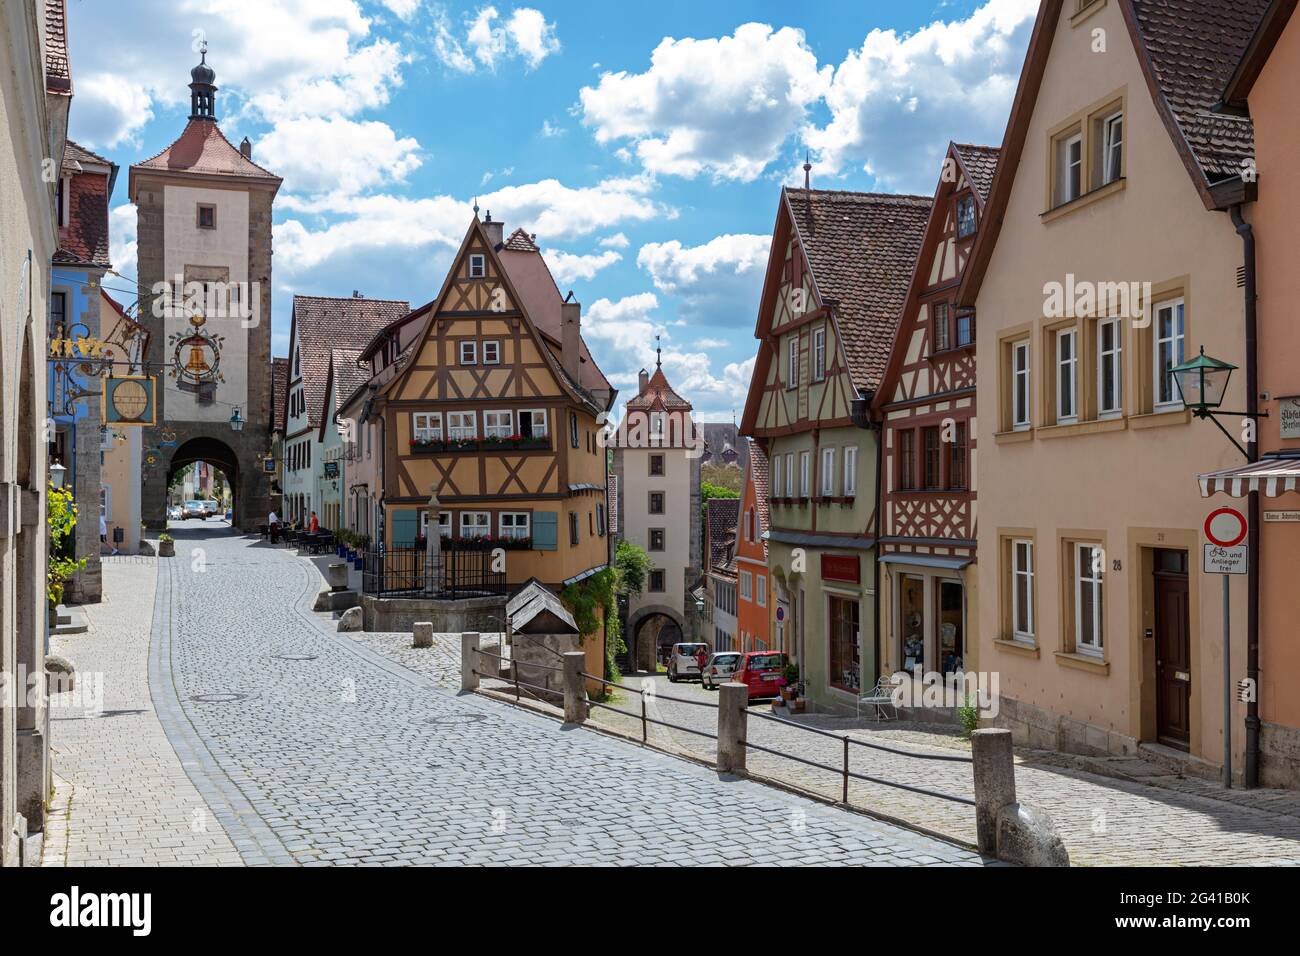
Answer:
(496, 406)
(926, 404)
(837, 278)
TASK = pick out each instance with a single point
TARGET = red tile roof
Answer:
(279, 388)
(981, 162)
(658, 393)
(202, 149)
(521, 241)
(58, 76)
(722, 515)
(862, 248)
(758, 475)
(322, 324)
(84, 240)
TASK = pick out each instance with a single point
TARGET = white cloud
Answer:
(550, 131)
(488, 39)
(361, 155)
(717, 283)
(616, 241)
(403, 9)
(121, 251)
(896, 101)
(111, 109)
(557, 212)
(719, 106)
(568, 267)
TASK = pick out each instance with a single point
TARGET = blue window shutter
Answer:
(405, 523)
(544, 525)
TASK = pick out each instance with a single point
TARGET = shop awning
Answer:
(926, 560)
(1272, 475)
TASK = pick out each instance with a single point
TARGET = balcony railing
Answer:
(444, 446)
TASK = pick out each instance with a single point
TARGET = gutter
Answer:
(1251, 773)
(862, 418)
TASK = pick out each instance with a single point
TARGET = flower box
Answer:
(452, 446)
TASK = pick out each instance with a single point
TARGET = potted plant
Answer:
(166, 546)
(798, 703)
(789, 681)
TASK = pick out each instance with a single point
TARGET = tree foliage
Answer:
(60, 520)
(633, 565)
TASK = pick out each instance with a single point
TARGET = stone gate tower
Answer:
(203, 212)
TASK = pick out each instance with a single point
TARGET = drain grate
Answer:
(293, 657)
(218, 698)
(456, 720)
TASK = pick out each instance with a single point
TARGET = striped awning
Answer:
(1271, 475)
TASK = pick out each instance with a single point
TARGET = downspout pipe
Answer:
(1251, 772)
(861, 414)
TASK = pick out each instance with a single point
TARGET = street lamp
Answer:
(57, 474)
(236, 421)
(1202, 383)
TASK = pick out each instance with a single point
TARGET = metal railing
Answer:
(400, 572)
(644, 717)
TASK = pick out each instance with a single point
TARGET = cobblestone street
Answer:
(1102, 821)
(310, 747)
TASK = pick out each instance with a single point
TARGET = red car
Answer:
(761, 671)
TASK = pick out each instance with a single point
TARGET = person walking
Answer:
(273, 527)
(313, 526)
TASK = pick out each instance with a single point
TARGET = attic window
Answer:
(477, 266)
(965, 217)
(206, 217)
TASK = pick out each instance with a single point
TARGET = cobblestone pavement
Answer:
(312, 747)
(121, 794)
(1103, 821)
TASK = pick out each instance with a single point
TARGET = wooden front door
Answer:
(1173, 653)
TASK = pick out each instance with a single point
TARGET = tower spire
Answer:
(807, 170)
(203, 88)
(659, 353)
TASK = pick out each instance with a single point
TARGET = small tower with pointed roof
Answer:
(203, 211)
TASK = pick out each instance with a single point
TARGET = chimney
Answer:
(495, 231)
(246, 149)
(570, 337)
(642, 381)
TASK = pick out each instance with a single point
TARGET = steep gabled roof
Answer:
(658, 394)
(58, 76)
(321, 324)
(722, 516)
(979, 163)
(84, 240)
(203, 150)
(279, 392)
(344, 378)
(861, 248)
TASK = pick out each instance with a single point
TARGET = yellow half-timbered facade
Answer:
(837, 277)
(496, 408)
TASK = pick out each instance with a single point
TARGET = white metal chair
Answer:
(881, 700)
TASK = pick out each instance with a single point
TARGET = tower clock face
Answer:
(130, 401)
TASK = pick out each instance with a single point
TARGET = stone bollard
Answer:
(422, 634)
(733, 715)
(575, 690)
(468, 660)
(995, 783)
(336, 576)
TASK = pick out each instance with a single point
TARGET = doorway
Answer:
(1173, 650)
(911, 605)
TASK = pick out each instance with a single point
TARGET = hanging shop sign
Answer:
(130, 400)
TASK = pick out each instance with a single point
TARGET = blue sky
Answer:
(644, 143)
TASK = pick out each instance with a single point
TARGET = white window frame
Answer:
(850, 471)
(426, 426)
(1094, 578)
(535, 415)
(760, 591)
(468, 353)
(1025, 575)
(775, 477)
(492, 352)
(1021, 386)
(461, 431)
(1112, 404)
(1112, 150)
(819, 354)
(746, 586)
(805, 474)
(1177, 343)
(1067, 167)
(828, 472)
(477, 265)
(444, 524)
(967, 201)
(789, 475)
(658, 421)
(792, 362)
(497, 430)
(513, 529)
(1067, 367)
(481, 528)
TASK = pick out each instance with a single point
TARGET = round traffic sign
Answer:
(1226, 527)
(780, 614)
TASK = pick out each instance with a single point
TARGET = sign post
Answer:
(1225, 555)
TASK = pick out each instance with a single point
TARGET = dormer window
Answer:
(477, 266)
(965, 217)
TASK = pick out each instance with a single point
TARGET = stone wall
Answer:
(482, 614)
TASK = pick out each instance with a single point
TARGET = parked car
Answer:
(194, 509)
(682, 661)
(719, 669)
(761, 671)
(175, 513)
(210, 508)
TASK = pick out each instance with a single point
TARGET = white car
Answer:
(682, 661)
(719, 669)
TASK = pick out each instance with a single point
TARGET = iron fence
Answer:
(462, 572)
